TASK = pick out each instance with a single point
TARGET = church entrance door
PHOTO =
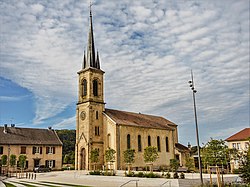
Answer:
(83, 160)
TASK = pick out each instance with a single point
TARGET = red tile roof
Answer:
(242, 135)
(139, 120)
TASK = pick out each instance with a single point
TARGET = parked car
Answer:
(41, 168)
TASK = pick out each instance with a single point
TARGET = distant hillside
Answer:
(68, 138)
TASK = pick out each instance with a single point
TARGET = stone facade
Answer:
(52, 159)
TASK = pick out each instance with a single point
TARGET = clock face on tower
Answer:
(83, 115)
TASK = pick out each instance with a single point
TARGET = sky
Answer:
(147, 49)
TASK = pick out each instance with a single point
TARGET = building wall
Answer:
(241, 146)
(16, 150)
(91, 106)
(118, 141)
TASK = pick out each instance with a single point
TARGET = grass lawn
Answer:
(8, 184)
(73, 185)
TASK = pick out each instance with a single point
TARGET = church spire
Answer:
(91, 58)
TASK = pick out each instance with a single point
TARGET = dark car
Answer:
(41, 168)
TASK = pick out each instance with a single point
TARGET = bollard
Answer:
(29, 175)
(35, 176)
(32, 176)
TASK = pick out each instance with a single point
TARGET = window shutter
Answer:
(54, 163)
(54, 150)
(47, 150)
(34, 150)
(41, 150)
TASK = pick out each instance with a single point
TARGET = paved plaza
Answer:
(82, 178)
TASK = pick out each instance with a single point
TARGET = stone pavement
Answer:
(81, 178)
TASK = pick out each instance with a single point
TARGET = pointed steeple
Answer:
(97, 63)
(91, 60)
(84, 61)
(91, 45)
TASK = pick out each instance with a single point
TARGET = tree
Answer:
(94, 157)
(68, 138)
(174, 164)
(150, 155)
(110, 155)
(12, 160)
(215, 152)
(189, 163)
(245, 167)
(4, 160)
(129, 157)
(22, 161)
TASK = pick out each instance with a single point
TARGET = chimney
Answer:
(12, 125)
(5, 129)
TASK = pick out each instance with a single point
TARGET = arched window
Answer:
(139, 143)
(149, 141)
(96, 114)
(95, 87)
(84, 87)
(158, 143)
(167, 147)
(128, 141)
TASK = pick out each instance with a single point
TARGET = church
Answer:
(100, 128)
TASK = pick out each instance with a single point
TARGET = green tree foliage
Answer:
(110, 155)
(4, 160)
(68, 138)
(189, 163)
(174, 164)
(215, 152)
(94, 157)
(150, 155)
(12, 160)
(129, 157)
(22, 161)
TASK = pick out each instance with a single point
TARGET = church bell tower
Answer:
(89, 118)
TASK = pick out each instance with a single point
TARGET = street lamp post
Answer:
(191, 83)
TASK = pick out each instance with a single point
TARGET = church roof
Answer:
(139, 120)
(181, 148)
(242, 135)
(28, 136)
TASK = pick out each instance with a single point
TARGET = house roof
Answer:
(29, 136)
(181, 148)
(139, 120)
(242, 135)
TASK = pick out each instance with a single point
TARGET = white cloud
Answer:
(146, 49)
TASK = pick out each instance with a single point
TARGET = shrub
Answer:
(108, 173)
(175, 176)
(95, 172)
(182, 175)
(129, 174)
(168, 175)
(140, 174)
(152, 175)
